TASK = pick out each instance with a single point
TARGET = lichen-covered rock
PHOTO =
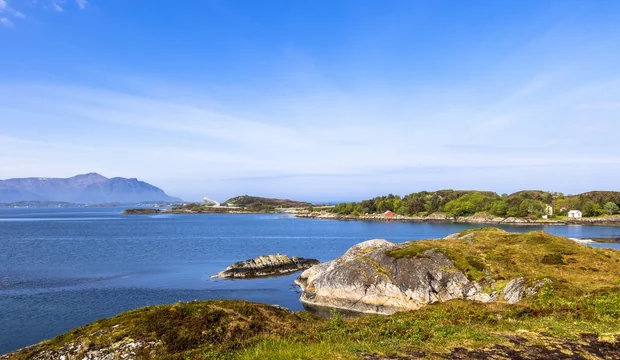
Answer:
(459, 236)
(533, 290)
(367, 279)
(125, 349)
(514, 291)
(266, 265)
(517, 289)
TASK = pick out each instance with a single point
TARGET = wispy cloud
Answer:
(58, 5)
(6, 22)
(82, 3)
(9, 13)
(124, 133)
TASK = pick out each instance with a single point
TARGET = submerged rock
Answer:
(266, 265)
(367, 279)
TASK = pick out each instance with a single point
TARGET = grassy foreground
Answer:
(576, 316)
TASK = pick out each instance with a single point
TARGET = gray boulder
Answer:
(266, 265)
(367, 279)
(517, 289)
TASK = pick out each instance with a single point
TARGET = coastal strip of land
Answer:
(474, 219)
(530, 207)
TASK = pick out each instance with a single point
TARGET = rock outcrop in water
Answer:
(381, 277)
(269, 265)
(141, 211)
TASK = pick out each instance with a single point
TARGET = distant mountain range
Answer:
(89, 188)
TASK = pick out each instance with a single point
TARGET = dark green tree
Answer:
(590, 208)
(611, 208)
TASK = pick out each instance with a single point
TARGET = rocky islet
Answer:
(266, 265)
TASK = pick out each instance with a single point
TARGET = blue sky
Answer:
(316, 100)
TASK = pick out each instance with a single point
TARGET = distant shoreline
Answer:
(475, 219)
(439, 218)
(222, 210)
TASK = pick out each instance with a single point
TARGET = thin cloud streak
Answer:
(81, 3)
(9, 13)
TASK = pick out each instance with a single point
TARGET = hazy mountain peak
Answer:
(88, 179)
(93, 175)
(84, 188)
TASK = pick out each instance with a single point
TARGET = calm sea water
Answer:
(62, 268)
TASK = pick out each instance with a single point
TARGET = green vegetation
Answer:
(501, 256)
(202, 208)
(577, 314)
(261, 203)
(524, 204)
(611, 208)
(421, 203)
(241, 330)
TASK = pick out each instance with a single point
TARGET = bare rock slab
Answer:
(266, 265)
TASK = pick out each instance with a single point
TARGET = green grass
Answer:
(574, 267)
(242, 330)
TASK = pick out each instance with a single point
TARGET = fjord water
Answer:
(62, 268)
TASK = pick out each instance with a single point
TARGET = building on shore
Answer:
(210, 202)
(548, 210)
(575, 214)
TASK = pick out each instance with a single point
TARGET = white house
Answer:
(549, 210)
(574, 214)
(210, 202)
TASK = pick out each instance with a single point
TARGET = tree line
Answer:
(524, 204)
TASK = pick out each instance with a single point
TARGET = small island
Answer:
(238, 205)
(139, 211)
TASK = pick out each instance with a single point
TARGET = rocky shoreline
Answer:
(438, 218)
(476, 219)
